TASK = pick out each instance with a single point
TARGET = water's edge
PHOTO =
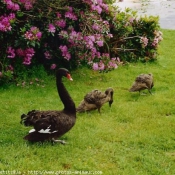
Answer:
(165, 9)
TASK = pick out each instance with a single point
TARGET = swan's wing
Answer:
(51, 121)
(53, 124)
(94, 96)
(85, 106)
(44, 128)
(145, 78)
(141, 78)
(47, 125)
(137, 86)
(30, 118)
(33, 116)
(149, 81)
(91, 101)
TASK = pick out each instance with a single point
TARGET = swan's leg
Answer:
(98, 107)
(150, 91)
(99, 111)
(60, 141)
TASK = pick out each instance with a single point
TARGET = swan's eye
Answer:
(69, 77)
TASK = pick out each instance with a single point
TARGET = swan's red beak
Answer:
(69, 77)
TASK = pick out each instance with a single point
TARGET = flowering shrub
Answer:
(72, 33)
(134, 38)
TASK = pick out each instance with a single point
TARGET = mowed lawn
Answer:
(136, 136)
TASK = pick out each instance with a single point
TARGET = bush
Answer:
(63, 33)
(134, 38)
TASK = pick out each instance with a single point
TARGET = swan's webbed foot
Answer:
(142, 93)
(60, 141)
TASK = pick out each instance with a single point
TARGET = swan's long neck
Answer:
(69, 105)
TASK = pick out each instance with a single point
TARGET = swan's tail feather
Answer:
(81, 107)
(30, 118)
(85, 107)
(36, 137)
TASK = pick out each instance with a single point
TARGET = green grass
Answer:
(135, 136)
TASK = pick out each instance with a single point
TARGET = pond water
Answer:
(165, 9)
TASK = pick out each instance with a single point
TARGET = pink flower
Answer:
(92, 38)
(27, 61)
(95, 66)
(11, 5)
(105, 55)
(97, 5)
(89, 44)
(63, 48)
(110, 35)
(47, 55)
(28, 4)
(106, 23)
(100, 43)
(53, 66)
(99, 1)
(75, 38)
(144, 41)
(101, 65)
(5, 22)
(98, 54)
(51, 28)
(65, 52)
(39, 35)
(11, 16)
(33, 34)
(10, 52)
(10, 67)
(118, 59)
(98, 36)
(112, 65)
(20, 52)
(67, 56)
(58, 15)
(95, 27)
(29, 53)
(155, 42)
(61, 23)
(105, 7)
(96, 8)
(70, 15)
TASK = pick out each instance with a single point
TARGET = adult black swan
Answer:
(52, 124)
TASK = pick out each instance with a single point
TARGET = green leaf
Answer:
(19, 14)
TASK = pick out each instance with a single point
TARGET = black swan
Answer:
(143, 81)
(50, 125)
(95, 100)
